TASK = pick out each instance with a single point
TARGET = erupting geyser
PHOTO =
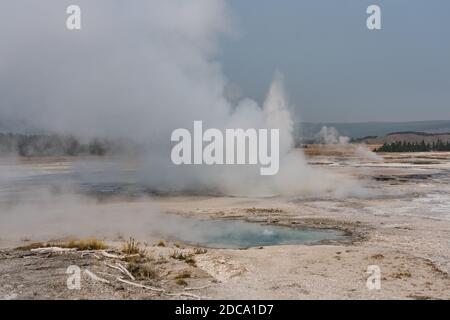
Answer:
(141, 84)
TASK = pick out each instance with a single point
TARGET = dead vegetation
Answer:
(401, 274)
(79, 244)
(133, 247)
(200, 251)
(183, 275)
(180, 278)
(263, 210)
(129, 265)
(186, 257)
(161, 243)
(87, 244)
(143, 271)
(181, 282)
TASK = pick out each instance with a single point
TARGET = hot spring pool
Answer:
(214, 233)
(238, 233)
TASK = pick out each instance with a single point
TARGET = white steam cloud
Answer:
(330, 135)
(364, 152)
(139, 70)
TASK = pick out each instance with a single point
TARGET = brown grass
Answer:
(80, 244)
(200, 251)
(263, 210)
(181, 282)
(143, 271)
(183, 275)
(132, 247)
(402, 275)
(86, 244)
(161, 243)
(186, 257)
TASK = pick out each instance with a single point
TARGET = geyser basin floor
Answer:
(239, 234)
(405, 233)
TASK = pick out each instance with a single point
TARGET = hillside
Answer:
(356, 130)
(408, 137)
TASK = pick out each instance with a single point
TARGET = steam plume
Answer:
(139, 70)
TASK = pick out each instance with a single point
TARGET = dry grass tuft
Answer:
(86, 244)
(132, 247)
(200, 251)
(181, 282)
(263, 210)
(186, 257)
(183, 275)
(402, 275)
(161, 243)
(83, 244)
(142, 271)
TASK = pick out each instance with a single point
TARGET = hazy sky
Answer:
(152, 55)
(338, 70)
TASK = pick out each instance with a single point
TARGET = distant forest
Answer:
(414, 147)
(52, 145)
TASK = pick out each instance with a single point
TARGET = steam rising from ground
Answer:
(364, 152)
(139, 70)
(47, 216)
(40, 202)
(330, 135)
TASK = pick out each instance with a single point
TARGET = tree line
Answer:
(29, 145)
(404, 146)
